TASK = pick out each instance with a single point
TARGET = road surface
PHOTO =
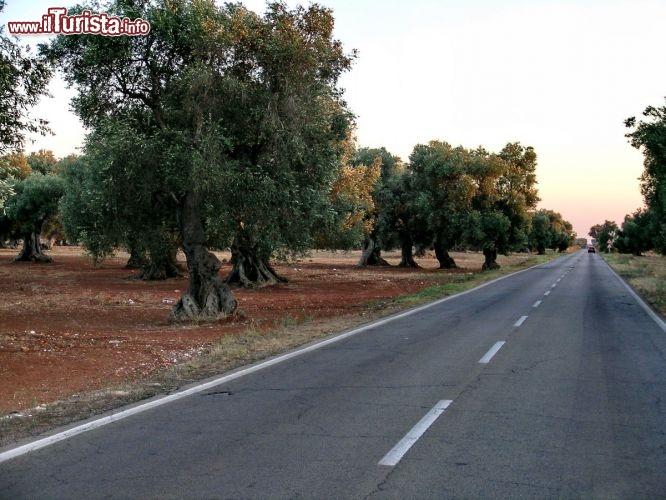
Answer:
(548, 383)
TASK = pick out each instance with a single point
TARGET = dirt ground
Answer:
(68, 327)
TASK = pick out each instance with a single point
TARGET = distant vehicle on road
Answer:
(591, 249)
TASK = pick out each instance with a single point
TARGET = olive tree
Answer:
(649, 135)
(505, 194)
(443, 189)
(23, 81)
(376, 237)
(36, 199)
(245, 110)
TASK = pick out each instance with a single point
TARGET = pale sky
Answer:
(561, 76)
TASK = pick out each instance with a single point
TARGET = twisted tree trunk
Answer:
(407, 258)
(372, 254)
(207, 297)
(442, 254)
(158, 263)
(161, 266)
(490, 259)
(250, 268)
(32, 248)
(137, 259)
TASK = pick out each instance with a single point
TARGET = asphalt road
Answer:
(548, 384)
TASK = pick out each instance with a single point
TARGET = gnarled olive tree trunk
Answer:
(490, 259)
(372, 254)
(161, 265)
(158, 263)
(207, 297)
(407, 257)
(250, 268)
(137, 258)
(442, 254)
(32, 248)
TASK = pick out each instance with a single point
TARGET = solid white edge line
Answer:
(520, 321)
(491, 352)
(656, 317)
(241, 372)
(398, 451)
(536, 304)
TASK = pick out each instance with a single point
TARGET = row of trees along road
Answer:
(447, 197)
(645, 228)
(225, 129)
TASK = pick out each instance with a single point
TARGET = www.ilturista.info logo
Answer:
(57, 22)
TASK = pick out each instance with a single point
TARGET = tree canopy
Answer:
(443, 189)
(635, 235)
(242, 113)
(604, 233)
(649, 135)
(36, 200)
(505, 197)
(23, 81)
(42, 161)
(550, 230)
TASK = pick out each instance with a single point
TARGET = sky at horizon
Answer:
(561, 76)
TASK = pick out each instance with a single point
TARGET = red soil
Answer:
(69, 327)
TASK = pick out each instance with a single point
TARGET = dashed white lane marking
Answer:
(520, 321)
(403, 446)
(547, 293)
(558, 280)
(553, 285)
(537, 303)
(493, 350)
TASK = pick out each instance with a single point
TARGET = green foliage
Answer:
(449, 196)
(117, 194)
(518, 192)
(550, 230)
(8, 175)
(23, 80)
(353, 198)
(400, 220)
(650, 136)
(239, 112)
(540, 236)
(352, 207)
(443, 189)
(42, 161)
(505, 195)
(390, 165)
(36, 199)
(603, 233)
(636, 233)
(489, 230)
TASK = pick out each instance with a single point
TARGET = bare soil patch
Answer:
(77, 339)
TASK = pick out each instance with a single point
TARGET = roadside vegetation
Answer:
(636, 249)
(646, 274)
(643, 230)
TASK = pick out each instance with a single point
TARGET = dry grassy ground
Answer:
(646, 274)
(77, 340)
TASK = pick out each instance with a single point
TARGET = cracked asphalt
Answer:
(572, 405)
